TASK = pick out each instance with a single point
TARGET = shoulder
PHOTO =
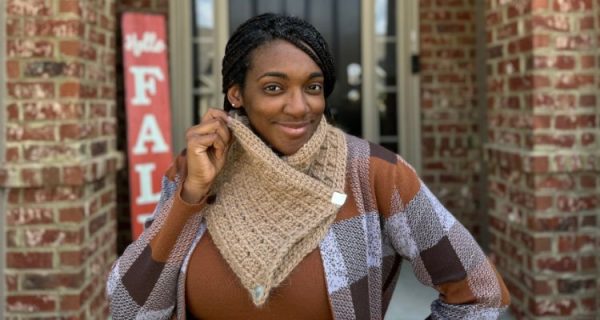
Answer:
(386, 171)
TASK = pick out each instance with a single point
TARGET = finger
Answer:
(205, 127)
(199, 144)
(213, 113)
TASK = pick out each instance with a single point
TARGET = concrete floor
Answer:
(411, 299)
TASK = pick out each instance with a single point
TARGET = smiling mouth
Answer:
(294, 129)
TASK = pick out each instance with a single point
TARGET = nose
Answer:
(296, 104)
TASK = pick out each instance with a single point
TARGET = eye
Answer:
(273, 88)
(315, 88)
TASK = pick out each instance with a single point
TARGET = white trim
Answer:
(481, 85)
(221, 35)
(370, 117)
(3, 193)
(180, 60)
(408, 97)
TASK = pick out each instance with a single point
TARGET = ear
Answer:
(234, 96)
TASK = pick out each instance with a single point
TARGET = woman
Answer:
(274, 214)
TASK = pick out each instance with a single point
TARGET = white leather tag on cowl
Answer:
(338, 199)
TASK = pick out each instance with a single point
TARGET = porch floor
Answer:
(411, 299)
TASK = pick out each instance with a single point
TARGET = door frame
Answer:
(3, 193)
(407, 44)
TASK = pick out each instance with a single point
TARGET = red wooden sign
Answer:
(148, 111)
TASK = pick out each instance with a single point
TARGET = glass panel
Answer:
(386, 105)
(204, 55)
(203, 65)
(385, 72)
(204, 18)
(386, 63)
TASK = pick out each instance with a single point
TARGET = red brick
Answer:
(54, 28)
(547, 307)
(50, 152)
(577, 204)
(572, 5)
(539, 4)
(71, 258)
(12, 154)
(14, 27)
(588, 62)
(73, 175)
(579, 42)
(53, 281)
(570, 81)
(544, 224)
(12, 69)
(575, 122)
(69, 6)
(541, 122)
(29, 48)
(588, 181)
(29, 260)
(52, 111)
(73, 214)
(70, 48)
(33, 8)
(44, 69)
(564, 264)
(38, 133)
(587, 100)
(30, 303)
(29, 216)
(70, 302)
(588, 139)
(551, 23)
(559, 140)
(586, 23)
(31, 90)
(70, 89)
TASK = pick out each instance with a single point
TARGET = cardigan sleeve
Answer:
(143, 281)
(442, 253)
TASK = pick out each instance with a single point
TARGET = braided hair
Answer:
(263, 29)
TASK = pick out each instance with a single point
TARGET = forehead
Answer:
(279, 54)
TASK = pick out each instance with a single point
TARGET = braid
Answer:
(263, 29)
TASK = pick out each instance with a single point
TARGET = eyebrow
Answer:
(285, 76)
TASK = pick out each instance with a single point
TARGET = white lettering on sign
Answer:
(145, 174)
(141, 218)
(149, 42)
(144, 80)
(150, 133)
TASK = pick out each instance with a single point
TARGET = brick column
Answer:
(544, 155)
(60, 158)
(451, 147)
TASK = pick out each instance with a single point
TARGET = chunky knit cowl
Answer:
(271, 211)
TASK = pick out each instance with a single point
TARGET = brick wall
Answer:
(543, 107)
(61, 159)
(451, 149)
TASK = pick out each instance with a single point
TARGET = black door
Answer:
(339, 23)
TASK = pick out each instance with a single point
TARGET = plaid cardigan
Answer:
(390, 215)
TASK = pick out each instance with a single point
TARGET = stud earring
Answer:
(233, 105)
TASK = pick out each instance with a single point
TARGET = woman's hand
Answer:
(207, 145)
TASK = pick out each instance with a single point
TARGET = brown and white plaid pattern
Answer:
(389, 216)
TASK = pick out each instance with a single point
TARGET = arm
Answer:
(442, 253)
(143, 281)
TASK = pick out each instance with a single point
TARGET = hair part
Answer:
(263, 29)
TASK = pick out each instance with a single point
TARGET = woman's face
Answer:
(282, 95)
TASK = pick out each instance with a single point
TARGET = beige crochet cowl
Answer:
(271, 211)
